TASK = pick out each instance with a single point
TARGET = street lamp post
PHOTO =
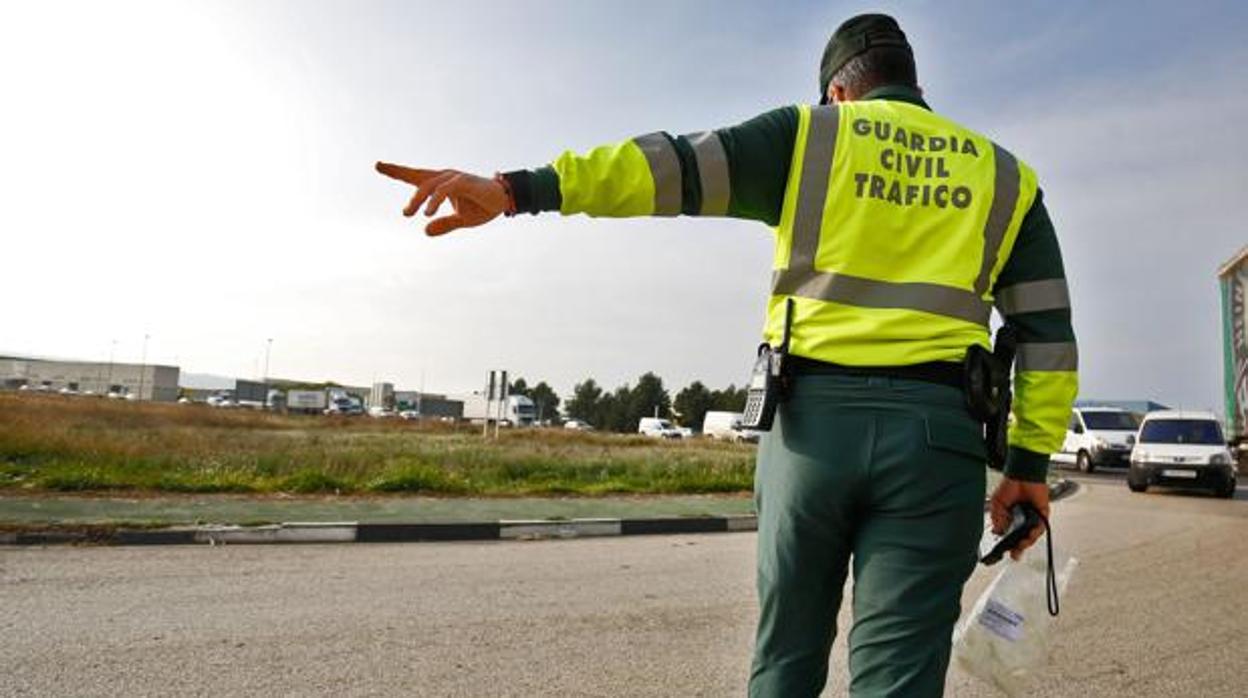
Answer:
(268, 347)
(143, 367)
(112, 349)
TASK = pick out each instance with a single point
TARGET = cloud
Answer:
(202, 172)
(1144, 182)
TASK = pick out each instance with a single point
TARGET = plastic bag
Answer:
(1006, 638)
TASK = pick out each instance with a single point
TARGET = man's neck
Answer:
(899, 93)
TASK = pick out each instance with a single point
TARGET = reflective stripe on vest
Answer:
(1033, 297)
(799, 277)
(712, 172)
(664, 170)
(1048, 356)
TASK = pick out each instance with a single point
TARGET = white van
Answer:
(1098, 436)
(659, 428)
(722, 425)
(1182, 449)
(727, 426)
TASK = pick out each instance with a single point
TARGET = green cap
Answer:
(855, 36)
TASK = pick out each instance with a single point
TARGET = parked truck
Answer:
(1233, 279)
(516, 410)
(307, 401)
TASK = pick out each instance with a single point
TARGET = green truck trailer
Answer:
(1233, 279)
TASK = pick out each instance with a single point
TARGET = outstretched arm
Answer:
(739, 172)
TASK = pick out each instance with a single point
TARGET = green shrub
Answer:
(313, 481)
(417, 478)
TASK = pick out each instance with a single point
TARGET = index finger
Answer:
(410, 175)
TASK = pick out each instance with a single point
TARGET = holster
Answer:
(988, 394)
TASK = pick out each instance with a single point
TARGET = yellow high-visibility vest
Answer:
(896, 223)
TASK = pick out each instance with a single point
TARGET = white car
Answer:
(578, 425)
(659, 428)
(1182, 449)
(1098, 436)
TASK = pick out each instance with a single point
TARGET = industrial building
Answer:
(160, 383)
(143, 381)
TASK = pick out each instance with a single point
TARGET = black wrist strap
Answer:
(1050, 581)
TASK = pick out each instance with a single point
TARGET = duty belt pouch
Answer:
(988, 395)
(767, 380)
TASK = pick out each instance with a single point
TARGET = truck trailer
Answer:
(1233, 280)
(306, 401)
(515, 410)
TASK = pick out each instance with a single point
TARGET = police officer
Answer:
(897, 230)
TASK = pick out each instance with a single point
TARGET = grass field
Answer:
(53, 443)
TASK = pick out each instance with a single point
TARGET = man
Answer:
(896, 231)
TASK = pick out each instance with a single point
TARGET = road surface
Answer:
(1158, 607)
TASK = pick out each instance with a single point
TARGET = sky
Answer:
(201, 173)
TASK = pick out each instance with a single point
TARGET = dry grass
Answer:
(55, 443)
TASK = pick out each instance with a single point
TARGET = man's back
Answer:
(895, 224)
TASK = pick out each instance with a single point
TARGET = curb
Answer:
(1062, 489)
(355, 532)
(1058, 490)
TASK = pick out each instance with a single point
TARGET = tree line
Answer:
(622, 408)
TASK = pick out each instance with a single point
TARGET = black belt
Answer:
(942, 372)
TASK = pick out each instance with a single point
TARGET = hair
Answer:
(876, 67)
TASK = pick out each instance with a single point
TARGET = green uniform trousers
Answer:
(888, 474)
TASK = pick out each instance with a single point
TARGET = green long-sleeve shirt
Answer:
(759, 154)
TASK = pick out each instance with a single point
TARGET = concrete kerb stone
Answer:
(154, 536)
(1062, 488)
(675, 524)
(294, 532)
(354, 532)
(571, 528)
(1058, 490)
(52, 537)
(411, 533)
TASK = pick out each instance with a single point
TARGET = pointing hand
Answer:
(476, 200)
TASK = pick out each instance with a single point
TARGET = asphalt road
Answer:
(1158, 607)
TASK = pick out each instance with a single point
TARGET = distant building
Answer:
(145, 382)
(251, 392)
(428, 404)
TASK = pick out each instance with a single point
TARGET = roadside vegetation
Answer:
(81, 444)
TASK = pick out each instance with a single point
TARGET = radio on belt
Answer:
(767, 379)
